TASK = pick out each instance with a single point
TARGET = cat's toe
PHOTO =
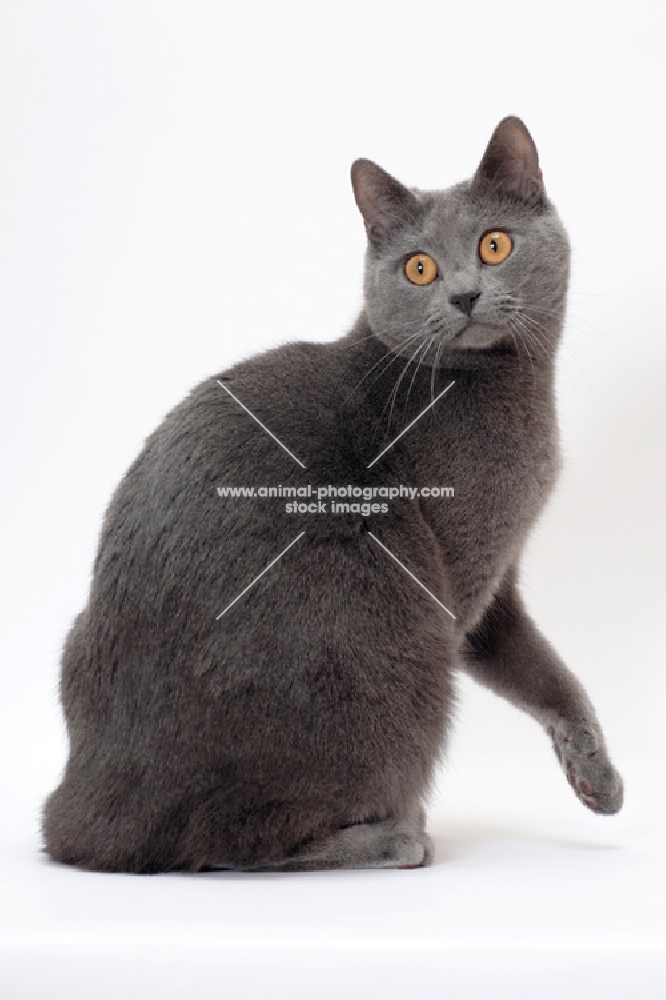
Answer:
(583, 757)
(428, 850)
(403, 852)
(606, 790)
(423, 853)
(402, 849)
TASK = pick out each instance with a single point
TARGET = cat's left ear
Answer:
(384, 202)
(510, 164)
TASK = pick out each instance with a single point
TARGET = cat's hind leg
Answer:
(384, 844)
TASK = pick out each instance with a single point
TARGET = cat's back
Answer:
(215, 496)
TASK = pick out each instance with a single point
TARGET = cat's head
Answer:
(483, 263)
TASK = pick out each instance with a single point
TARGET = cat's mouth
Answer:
(463, 328)
(475, 334)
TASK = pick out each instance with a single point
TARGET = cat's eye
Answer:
(421, 269)
(494, 247)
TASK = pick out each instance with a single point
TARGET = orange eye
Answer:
(495, 247)
(421, 269)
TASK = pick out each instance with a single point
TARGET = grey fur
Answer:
(303, 728)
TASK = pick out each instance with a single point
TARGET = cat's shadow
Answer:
(454, 840)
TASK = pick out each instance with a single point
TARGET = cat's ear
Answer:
(384, 202)
(510, 164)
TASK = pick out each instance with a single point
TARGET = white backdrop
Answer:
(175, 195)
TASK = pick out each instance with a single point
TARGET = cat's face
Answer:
(481, 264)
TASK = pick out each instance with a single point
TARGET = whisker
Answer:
(394, 357)
(566, 353)
(440, 348)
(404, 412)
(523, 341)
(355, 342)
(394, 393)
(533, 334)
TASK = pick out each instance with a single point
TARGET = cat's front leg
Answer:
(507, 653)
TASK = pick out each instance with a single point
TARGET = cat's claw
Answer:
(582, 755)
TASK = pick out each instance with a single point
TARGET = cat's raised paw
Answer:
(581, 752)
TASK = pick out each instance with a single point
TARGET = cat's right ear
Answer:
(510, 164)
(384, 202)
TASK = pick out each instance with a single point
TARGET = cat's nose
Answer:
(465, 301)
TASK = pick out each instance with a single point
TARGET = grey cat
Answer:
(295, 721)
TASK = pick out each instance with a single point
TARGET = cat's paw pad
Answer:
(582, 755)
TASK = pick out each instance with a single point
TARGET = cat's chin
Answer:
(477, 336)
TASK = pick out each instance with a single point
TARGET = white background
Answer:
(174, 196)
